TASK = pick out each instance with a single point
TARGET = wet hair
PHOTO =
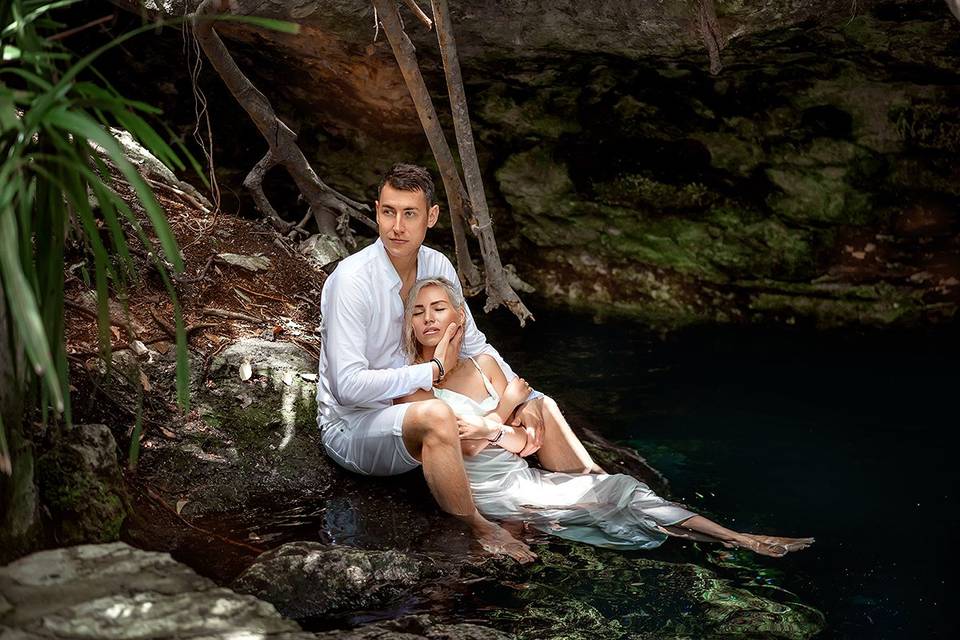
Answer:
(410, 345)
(409, 177)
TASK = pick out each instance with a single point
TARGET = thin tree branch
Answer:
(417, 11)
(713, 38)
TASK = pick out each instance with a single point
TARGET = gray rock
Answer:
(415, 628)
(115, 591)
(247, 440)
(80, 483)
(308, 579)
(323, 250)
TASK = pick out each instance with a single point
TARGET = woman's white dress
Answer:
(614, 511)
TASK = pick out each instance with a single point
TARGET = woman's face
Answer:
(432, 314)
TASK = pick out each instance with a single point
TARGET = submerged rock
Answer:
(114, 591)
(308, 579)
(415, 628)
(578, 592)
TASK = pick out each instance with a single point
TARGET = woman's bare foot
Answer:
(498, 541)
(790, 544)
(772, 546)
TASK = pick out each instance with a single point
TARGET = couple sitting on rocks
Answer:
(407, 379)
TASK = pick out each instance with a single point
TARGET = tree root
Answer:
(709, 28)
(324, 203)
(404, 52)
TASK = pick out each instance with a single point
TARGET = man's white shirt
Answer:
(362, 363)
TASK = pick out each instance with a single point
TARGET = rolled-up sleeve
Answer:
(348, 315)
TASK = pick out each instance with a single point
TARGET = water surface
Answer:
(849, 437)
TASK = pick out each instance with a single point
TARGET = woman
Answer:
(614, 511)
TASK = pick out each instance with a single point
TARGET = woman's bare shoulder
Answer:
(488, 364)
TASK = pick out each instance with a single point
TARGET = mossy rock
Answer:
(247, 440)
(81, 485)
(546, 113)
(577, 591)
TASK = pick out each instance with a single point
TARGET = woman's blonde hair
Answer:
(410, 345)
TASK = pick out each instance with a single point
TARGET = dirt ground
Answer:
(279, 301)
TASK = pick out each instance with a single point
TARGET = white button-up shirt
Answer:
(362, 363)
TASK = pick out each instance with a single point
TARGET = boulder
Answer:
(81, 486)
(251, 437)
(116, 592)
(309, 579)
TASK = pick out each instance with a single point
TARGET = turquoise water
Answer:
(849, 437)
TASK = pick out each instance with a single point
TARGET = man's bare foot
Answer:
(772, 546)
(496, 540)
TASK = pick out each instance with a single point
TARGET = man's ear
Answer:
(433, 215)
(376, 208)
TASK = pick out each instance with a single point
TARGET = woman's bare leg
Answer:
(561, 449)
(774, 546)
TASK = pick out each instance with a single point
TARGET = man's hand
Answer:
(448, 349)
(529, 417)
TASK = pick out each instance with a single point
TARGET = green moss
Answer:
(731, 152)
(547, 113)
(817, 196)
(578, 591)
(867, 32)
(638, 190)
(83, 507)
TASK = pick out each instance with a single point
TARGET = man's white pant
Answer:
(370, 441)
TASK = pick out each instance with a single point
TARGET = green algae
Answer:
(577, 591)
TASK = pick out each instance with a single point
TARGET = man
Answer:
(363, 368)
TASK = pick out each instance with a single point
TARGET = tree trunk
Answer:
(498, 289)
(459, 202)
(20, 528)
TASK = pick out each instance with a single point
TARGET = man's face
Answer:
(403, 218)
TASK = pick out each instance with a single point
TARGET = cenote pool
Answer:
(848, 437)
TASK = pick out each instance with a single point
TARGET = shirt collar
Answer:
(389, 271)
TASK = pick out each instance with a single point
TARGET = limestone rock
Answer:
(416, 628)
(323, 250)
(116, 592)
(81, 485)
(308, 579)
(246, 440)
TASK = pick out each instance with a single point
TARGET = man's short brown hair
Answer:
(409, 177)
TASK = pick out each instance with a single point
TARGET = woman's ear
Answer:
(463, 316)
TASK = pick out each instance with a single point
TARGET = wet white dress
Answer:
(613, 511)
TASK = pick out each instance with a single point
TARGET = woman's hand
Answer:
(516, 392)
(477, 428)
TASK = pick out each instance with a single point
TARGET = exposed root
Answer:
(324, 203)
(713, 38)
